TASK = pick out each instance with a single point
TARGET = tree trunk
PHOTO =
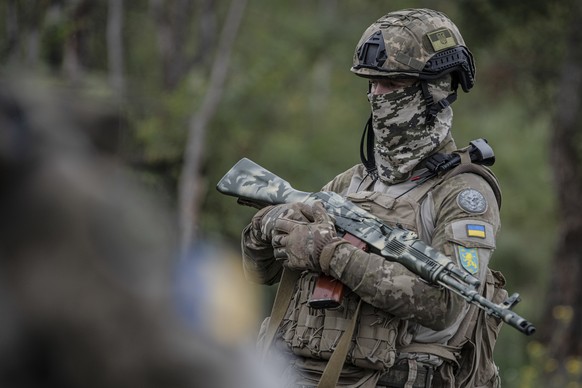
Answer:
(173, 20)
(115, 45)
(191, 184)
(79, 13)
(562, 326)
(11, 22)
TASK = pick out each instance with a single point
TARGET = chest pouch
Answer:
(315, 333)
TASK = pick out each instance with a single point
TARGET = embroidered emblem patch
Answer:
(469, 259)
(441, 39)
(472, 201)
(476, 231)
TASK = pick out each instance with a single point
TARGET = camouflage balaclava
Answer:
(414, 122)
(403, 138)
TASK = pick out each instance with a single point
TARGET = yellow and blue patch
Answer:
(469, 259)
(474, 230)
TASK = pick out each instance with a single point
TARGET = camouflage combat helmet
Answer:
(413, 43)
(418, 43)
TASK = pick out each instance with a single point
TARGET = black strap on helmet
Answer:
(458, 61)
(432, 107)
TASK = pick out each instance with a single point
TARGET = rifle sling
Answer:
(282, 299)
(334, 366)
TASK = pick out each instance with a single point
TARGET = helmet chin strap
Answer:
(367, 150)
(432, 107)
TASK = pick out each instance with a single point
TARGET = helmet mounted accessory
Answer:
(372, 54)
(456, 61)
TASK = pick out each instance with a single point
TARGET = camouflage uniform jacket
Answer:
(457, 214)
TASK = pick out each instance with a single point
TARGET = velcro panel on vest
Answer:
(456, 232)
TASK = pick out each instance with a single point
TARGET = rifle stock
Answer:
(250, 182)
(253, 184)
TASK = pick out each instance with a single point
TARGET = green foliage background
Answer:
(292, 105)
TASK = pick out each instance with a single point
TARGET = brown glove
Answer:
(300, 243)
(263, 222)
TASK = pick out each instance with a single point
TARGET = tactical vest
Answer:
(378, 335)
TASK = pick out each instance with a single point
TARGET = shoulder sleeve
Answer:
(466, 221)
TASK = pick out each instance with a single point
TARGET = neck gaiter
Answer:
(402, 136)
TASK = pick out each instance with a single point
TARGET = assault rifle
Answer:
(256, 186)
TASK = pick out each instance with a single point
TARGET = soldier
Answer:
(406, 333)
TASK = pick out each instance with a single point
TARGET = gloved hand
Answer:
(263, 222)
(300, 243)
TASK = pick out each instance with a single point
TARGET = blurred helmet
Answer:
(417, 43)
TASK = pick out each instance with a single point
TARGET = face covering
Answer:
(403, 139)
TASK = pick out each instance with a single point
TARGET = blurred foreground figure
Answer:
(85, 259)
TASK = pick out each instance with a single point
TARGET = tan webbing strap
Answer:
(335, 364)
(280, 305)
(443, 351)
(412, 373)
(465, 156)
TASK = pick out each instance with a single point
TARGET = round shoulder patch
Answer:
(472, 201)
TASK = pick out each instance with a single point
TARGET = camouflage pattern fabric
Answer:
(403, 138)
(258, 259)
(387, 285)
(248, 180)
(411, 37)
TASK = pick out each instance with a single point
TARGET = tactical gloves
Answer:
(300, 243)
(258, 261)
(264, 220)
(298, 233)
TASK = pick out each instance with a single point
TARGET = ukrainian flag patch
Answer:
(474, 230)
(469, 259)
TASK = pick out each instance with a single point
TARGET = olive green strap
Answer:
(282, 299)
(335, 364)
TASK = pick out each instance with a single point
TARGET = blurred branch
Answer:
(190, 185)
